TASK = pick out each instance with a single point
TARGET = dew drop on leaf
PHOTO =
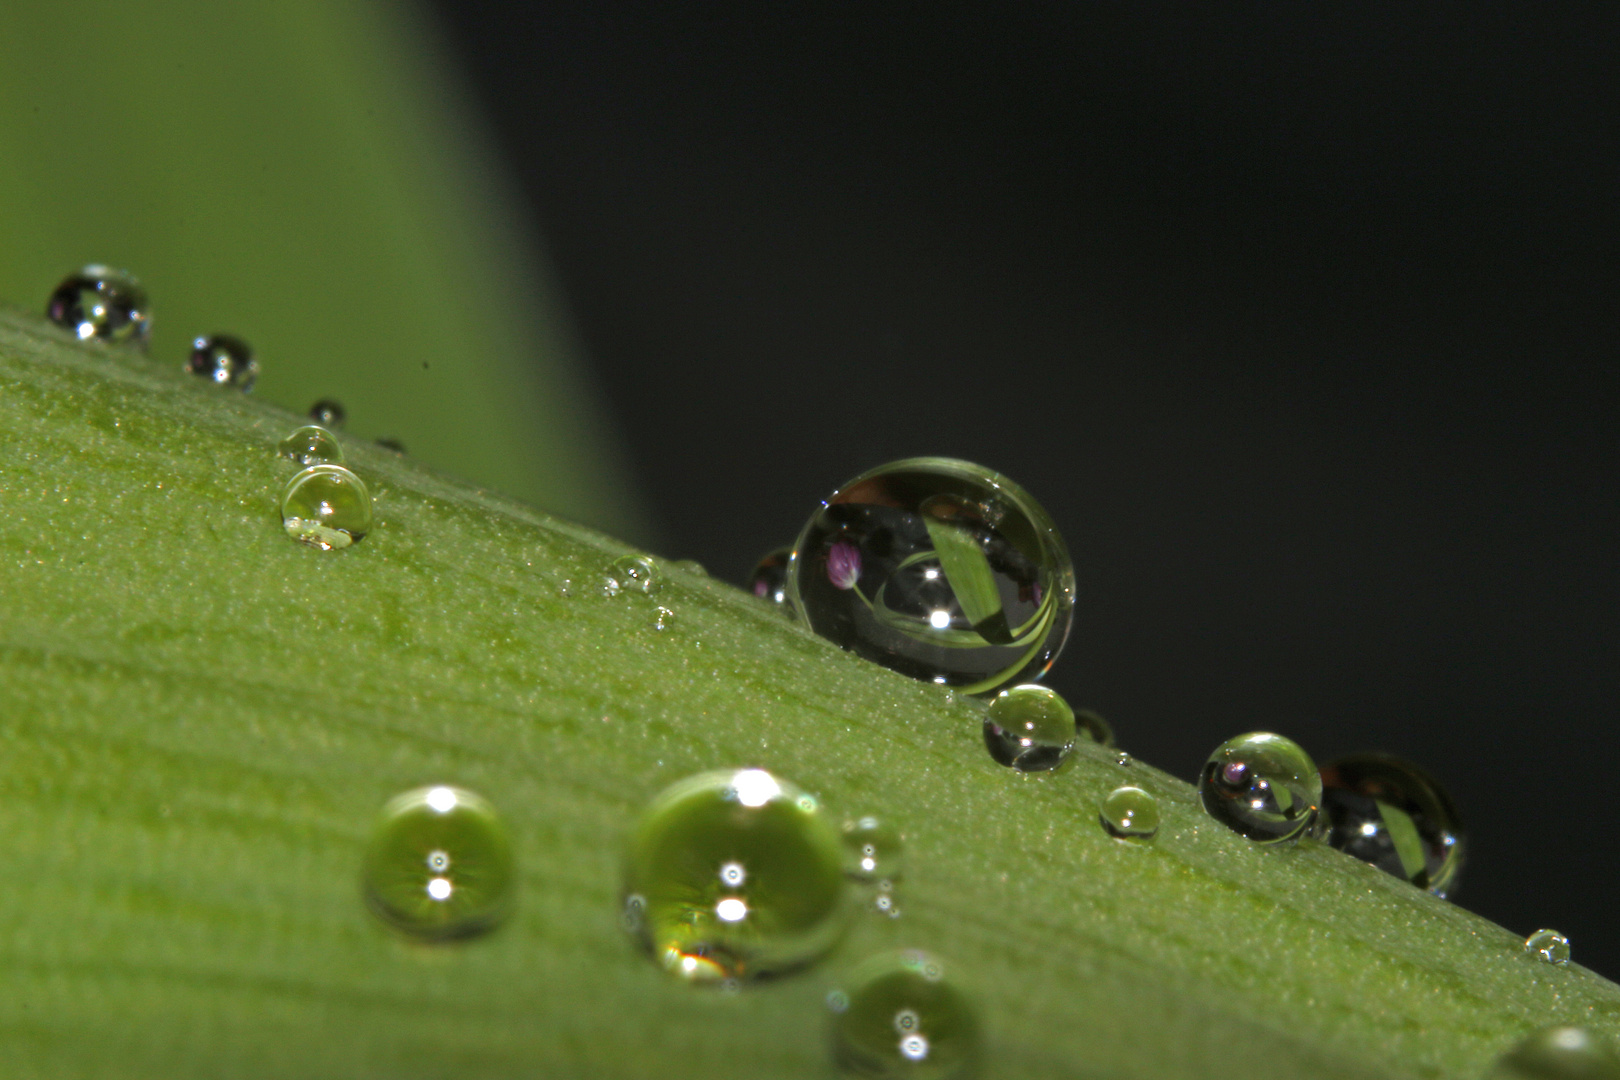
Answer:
(102, 304)
(328, 413)
(663, 618)
(1558, 1053)
(1262, 786)
(1390, 813)
(1129, 813)
(1029, 728)
(632, 574)
(939, 569)
(224, 361)
(326, 506)
(1548, 945)
(874, 850)
(900, 1015)
(734, 874)
(439, 865)
(769, 579)
(312, 445)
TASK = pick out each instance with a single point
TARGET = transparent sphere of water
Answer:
(1129, 813)
(734, 875)
(898, 1015)
(326, 506)
(1029, 728)
(312, 445)
(1548, 945)
(939, 569)
(769, 579)
(1558, 1053)
(1262, 786)
(632, 574)
(1390, 813)
(439, 865)
(329, 413)
(874, 849)
(224, 361)
(102, 304)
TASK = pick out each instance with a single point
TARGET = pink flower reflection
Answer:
(843, 565)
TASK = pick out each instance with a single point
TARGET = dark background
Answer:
(1299, 319)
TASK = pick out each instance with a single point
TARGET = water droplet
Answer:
(901, 1016)
(1558, 1053)
(632, 574)
(909, 566)
(1129, 813)
(1548, 945)
(1263, 786)
(1030, 728)
(1094, 727)
(663, 618)
(311, 445)
(102, 304)
(326, 506)
(874, 850)
(1390, 813)
(1123, 760)
(392, 444)
(224, 361)
(328, 413)
(737, 875)
(769, 579)
(439, 865)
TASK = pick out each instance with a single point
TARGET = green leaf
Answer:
(199, 720)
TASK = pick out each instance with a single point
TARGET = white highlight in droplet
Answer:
(441, 799)
(731, 909)
(939, 619)
(732, 873)
(914, 1047)
(440, 888)
(755, 787)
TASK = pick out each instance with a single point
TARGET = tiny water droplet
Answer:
(739, 876)
(632, 574)
(1094, 727)
(224, 361)
(439, 865)
(769, 579)
(1558, 1053)
(102, 304)
(1548, 945)
(326, 506)
(908, 566)
(329, 413)
(392, 444)
(1262, 786)
(312, 445)
(1030, 728)
(1388, 812)
(663, 618)
(1123, 760)
(874, 850)
(1129, 813)
(901, 1016)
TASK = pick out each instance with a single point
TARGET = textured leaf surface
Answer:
(199, 719)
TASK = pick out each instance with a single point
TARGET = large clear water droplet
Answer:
(1029, 728)
(1390, 813)
(439, 865)
(632, 574)
(735, 875)
(326, 506)
(769, 579)
(1548, 945)
(312, 445)
(1558, 1053)
(102, 304)
(874, 849)
(898, 1015)
(329, 413)
(1263, 786)
(224, 361)
(1129, 813)
(940, 569)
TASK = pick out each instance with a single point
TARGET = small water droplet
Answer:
(1129, 813)
(632, 574)
(874, 850)
(769, 579)
(1558, 1053)
(901, 1016)
(392, 444)
(1030, 728)
(739, 877)
(224, 361)
(326, 506)
(102, 304)
(903, 566)
(1123, 760)
(1548, 945)
(1262, 786)
(439, 865)
(329, 413)
(311, 445)
(1094, 727)
(663, 618)
(1388, 812)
